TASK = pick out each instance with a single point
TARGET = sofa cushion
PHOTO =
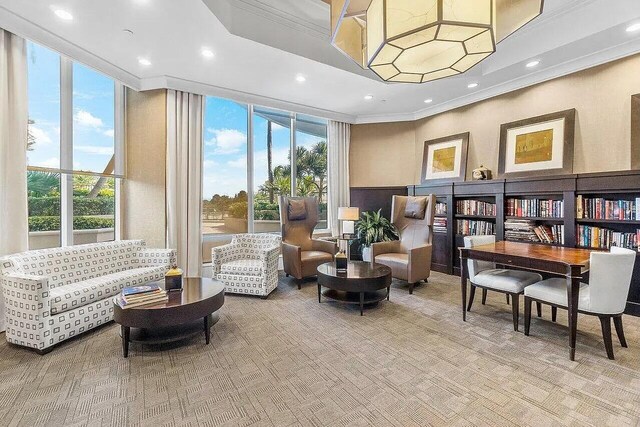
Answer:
(68, 297)
(315, 256)
(252, 267)
(297, 210)
(416, 207)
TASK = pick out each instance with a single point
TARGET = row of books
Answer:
(469, 227)
(535, 208)
(475, 207)
(600, 208)
(527, 231)
(603, 238)
(137, 296)
(441, 208)
(439, 224)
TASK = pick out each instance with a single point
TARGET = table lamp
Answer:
(348, 215)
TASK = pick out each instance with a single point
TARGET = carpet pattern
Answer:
(291, 361)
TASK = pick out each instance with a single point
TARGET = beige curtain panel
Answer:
(184, 179)
(14, 114)
(339, 138)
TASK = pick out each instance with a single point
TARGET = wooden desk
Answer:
(568, 262)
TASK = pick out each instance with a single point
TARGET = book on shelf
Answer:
(468, 227)
(603, 238)
(475, 207)
(523, 230)
(601, 208)
(535, 208)
(440, 225)
(156, 296)
(441, 208)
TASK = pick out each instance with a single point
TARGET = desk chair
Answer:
(604, 296)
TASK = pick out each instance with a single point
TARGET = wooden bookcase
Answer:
(623, 185)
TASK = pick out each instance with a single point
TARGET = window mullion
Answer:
(66, 151)
(250, 162)
(294, 157)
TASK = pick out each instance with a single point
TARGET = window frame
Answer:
(65, 169)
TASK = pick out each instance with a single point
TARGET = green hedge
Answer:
(82, 206)
(51, 223)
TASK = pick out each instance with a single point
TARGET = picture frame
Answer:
(541, 145)
(445, 159)
(635, 131)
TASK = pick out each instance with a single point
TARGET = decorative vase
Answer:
(481, 173)
(341, 261)
(366, 253)
(173, 279)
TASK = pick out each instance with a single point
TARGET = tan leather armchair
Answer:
(301, 253)
(410, 257)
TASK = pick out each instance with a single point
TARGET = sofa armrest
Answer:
(324, 246)
(380, 248)
(220, 255)
(149, 257)
(419, 263)
(292, 259)
(26, 297)
(269, 259)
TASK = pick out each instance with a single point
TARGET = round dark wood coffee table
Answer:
(188, 312)
(363, 283)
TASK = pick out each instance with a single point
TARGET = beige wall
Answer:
(143, 201)
(381, 154)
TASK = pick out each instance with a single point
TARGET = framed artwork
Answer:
(540, 145)
(445, 159)
(635, 132)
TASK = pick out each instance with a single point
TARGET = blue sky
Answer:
(93, 113)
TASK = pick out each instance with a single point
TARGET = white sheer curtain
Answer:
(184, 178)
(14, 113)
(338, 165)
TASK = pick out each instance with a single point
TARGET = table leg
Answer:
(388, 292)
(125, 330)
(361, 303)
(319, 292)
(573, 290)
(463, 286)
(207, 330)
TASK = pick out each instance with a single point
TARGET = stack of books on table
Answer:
(137, 296)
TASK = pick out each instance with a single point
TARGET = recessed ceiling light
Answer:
(207, 53)
(368, 97)
(428, 101)
(144, 61)
(633, 27)
(300, 78)
(472, 85)
(532, 64)
(63, 14)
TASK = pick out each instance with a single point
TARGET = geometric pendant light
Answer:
(416, 41)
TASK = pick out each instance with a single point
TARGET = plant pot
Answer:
(366, 253)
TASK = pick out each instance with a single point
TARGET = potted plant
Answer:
(371, 228)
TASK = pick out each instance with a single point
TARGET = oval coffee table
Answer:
(363, 283)
(187, 313)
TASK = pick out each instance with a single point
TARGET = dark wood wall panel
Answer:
(374, 198)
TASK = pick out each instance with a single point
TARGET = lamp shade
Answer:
(348, 214)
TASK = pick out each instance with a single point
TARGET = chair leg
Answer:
(484, 296)
(507, 295)
(515, 308)
(286, 274)
(527, 315)
(539, 308)
(299, 284)
(411, 285)
(605, 322)
(554, 313)
(617, 321)
(472, 294)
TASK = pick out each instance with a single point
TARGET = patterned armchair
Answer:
(54, 294)
(248, 265)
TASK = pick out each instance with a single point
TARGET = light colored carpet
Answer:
(291, 361)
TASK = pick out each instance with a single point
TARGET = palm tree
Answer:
(40, 184)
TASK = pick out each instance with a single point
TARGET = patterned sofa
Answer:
(248, 265)
(53, 294)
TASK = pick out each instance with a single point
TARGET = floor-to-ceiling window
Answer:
(253, 155)
(74, 143)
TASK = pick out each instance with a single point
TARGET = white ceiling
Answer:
(261, 45)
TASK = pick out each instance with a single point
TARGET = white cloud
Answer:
(240, 162)
(85, 118)
(227, 141)
(109, 132)
(275, 126)
(52, 163)
(100, 151)
(40, 135)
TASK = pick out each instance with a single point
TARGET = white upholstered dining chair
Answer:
(485, 275)
(604, 296)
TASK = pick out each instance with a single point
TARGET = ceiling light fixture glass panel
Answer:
(468, 11)
(429, 57)
(458, 33)
(403, 16)
(481, 43)
(407, 78)
(513, 14)
(386, 71)
(349, 39)
(439, 74)
(387, 55)
(416, 38)
(375, 27)
(469, 61)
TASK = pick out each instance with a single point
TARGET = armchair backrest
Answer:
(298, 232)
(609, 279)
(412, 232)
(475, 266)
(254, 244)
